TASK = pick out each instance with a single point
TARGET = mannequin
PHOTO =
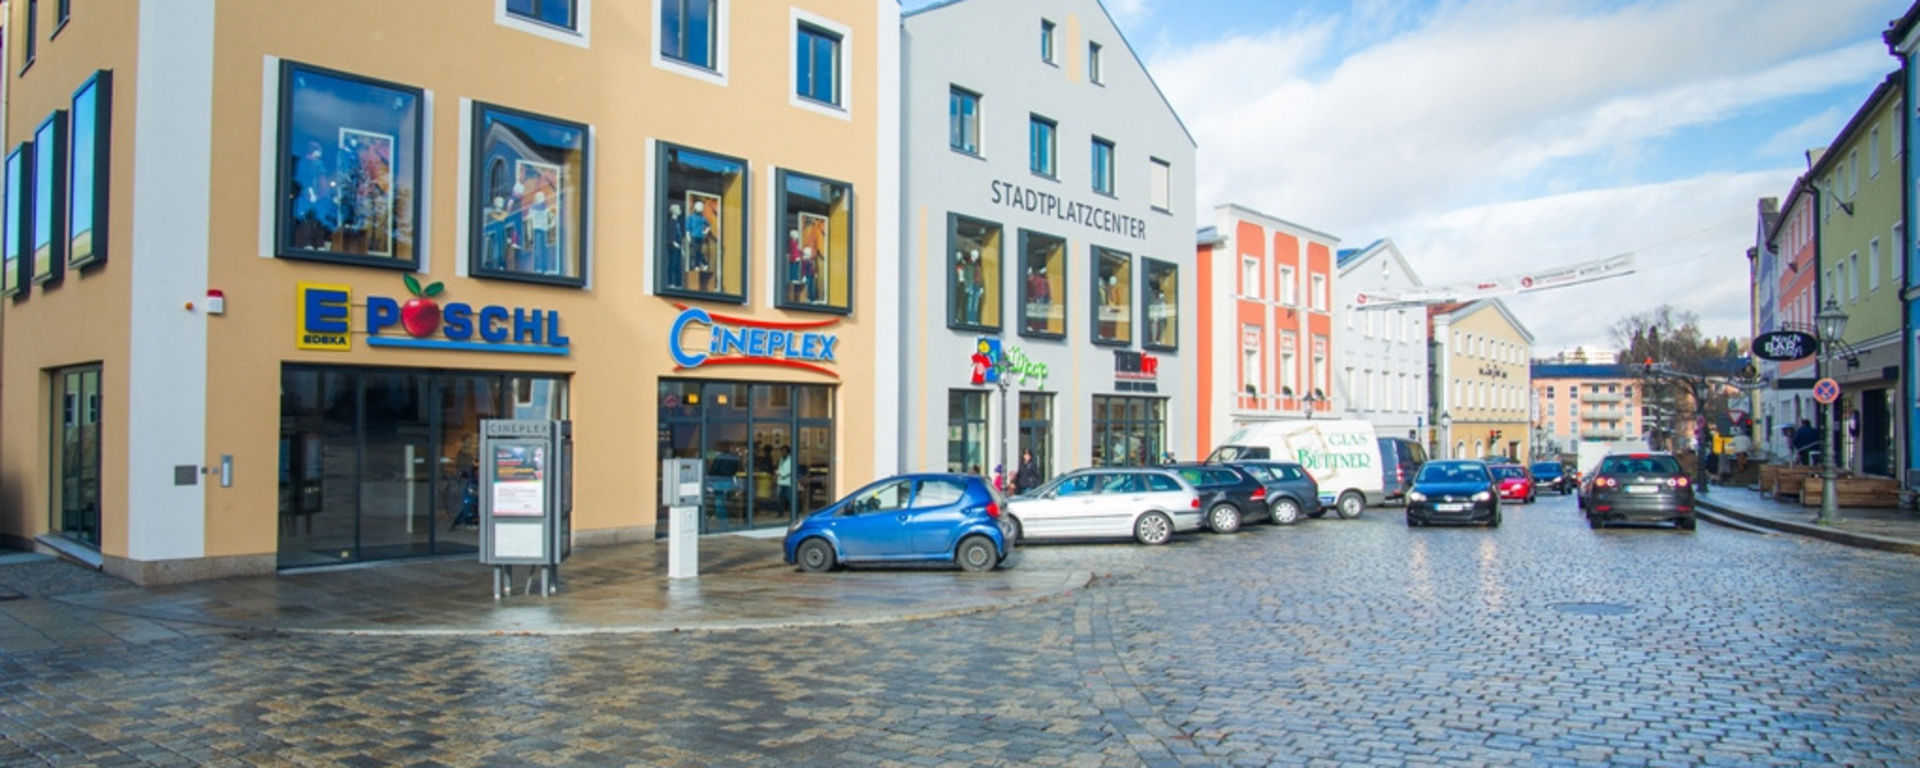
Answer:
(698, 228)
(796, 267)
(960, 290)
(976, 287)
(542, 233)
(676, 248)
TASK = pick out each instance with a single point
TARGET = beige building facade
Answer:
(288, 258)
(1480, 391)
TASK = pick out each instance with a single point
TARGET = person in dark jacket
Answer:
(1027, 477)
(1806, 440)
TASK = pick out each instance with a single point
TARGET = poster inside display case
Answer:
(349, 170)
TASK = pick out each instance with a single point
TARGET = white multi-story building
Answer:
(1380, 355)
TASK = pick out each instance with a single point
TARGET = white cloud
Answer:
(1815, 131)
(1427, 137)
(1127, 13)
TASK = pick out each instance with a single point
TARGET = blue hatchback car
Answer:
(905, 519)
(1453, 491)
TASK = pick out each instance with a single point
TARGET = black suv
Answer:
(1291, 490)
(1638, 487)
(1227, 495)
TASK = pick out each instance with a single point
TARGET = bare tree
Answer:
(1685, 363)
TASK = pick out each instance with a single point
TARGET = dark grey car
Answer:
(1292, 492)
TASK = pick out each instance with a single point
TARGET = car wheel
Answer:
(815, 556)
(1223, 518)
(1350, 505)
(1013, 531)
(1413, 523)
(976, 554)
(1495, 522)
(1594, 523)
(1685, 523)
(1531, 498)
(1152, 528)
(1286, 512)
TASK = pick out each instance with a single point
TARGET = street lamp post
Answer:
(1310, 400)
(1831, 322)
(1446, 434)
(1006, 432)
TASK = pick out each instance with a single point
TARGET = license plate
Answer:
(1643, 489)
(1452, 507)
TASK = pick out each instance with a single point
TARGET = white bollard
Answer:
(683, 542)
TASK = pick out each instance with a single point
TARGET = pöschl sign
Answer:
(1780, 346)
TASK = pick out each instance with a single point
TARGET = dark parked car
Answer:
(1638, 487)
(1400, 460)
(1228, 495)
(1551, 476)
(905, 518)
(1291, 490)
(1453, 491)
(1515, 482)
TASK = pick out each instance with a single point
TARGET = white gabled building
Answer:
(1380, 355)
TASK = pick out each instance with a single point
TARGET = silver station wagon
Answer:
(1146, 504)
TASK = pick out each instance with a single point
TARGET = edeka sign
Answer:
(744, 341)
(1049, 204)
(324, 316)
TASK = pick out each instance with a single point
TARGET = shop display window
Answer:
(1112, 297)
(816, 253)
(702, 230)
(50, 199)
(349, 168)
(89, 169)
(1128, 430)
(967, 431)
(1043, 285)
(529, 197)
(973, 274)
(766, 449)
(1161, 291)
(15, 261)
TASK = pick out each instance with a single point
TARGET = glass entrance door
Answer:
(76, 454)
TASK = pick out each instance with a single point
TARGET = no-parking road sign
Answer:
(1826, 391)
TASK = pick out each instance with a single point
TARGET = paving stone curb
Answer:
(1828, 533)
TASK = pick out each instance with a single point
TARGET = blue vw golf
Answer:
(904, 519)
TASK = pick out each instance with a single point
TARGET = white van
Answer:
(1342, 455)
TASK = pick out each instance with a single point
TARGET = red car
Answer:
(1514, 480)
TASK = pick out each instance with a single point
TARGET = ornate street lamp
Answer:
(1831, 322)
(1446, 434)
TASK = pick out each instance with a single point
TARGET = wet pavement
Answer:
(1333, 642)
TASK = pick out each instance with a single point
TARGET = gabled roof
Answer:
(1888, 88)
(1241, 211)
(1900, 28)
(1463, 309)
(1123, 41)
(1352, 258)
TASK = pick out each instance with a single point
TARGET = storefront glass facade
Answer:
(76, 454)
(382, 463)
(767, 448)
(967, 431)
(1128, 430)
(1036, 431)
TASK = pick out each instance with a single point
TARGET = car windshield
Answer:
(1509, 472)
(1546, 469)
(1640, 465)
(1228, 453)
(1451, 473)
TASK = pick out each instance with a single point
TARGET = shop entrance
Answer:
(767, 448)
(76, 454)
(382, 463)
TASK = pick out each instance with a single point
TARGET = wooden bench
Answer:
(1872, 492)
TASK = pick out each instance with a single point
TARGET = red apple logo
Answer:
(420, 315)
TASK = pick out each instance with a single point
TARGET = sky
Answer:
(1492, 137)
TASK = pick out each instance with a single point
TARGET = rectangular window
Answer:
(50, 199)
(1162, 294)
(1128, 430)
(1873, 153)
(1102, 166)
(817, 214)
(967, 431)
(973, 276)
(17, 266)
(1093, 63)
(1250, 277)
(817, 64)
(1252, 376)
(1319, 295)
(33, 20)
(529, 197)
(1894, 263)
(1040, 146)
(1289, 290)
(963, 120)
(89, 153)
(1852, 281)
(1043, 285)
(1046, 41)
(1370, 322)
(349, 170)
(62, 10)
(558, 13)
(1289, 377)
(1112, 297)
(1160, 183)
(689, 32)
(1873, 264)
(702, 210)
(1036, 434)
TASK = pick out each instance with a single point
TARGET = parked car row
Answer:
(943, 517)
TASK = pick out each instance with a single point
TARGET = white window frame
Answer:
(1251, 371)
(1289, 291)
(1289, 347)
(581, 35)
(1319, 295)
(1873, 153)
(1873, 265)
(1160, 185)
(1250, 277)
(1852, 281)
(843, 90)
(721, 48)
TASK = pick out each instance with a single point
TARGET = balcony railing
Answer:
(1602, 397)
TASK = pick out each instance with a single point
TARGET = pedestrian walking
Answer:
(1027, 477)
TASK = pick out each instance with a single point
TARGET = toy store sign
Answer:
(1049, 204)
(324, 321)
(745, 341)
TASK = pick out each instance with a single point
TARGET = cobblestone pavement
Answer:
(1334, 642)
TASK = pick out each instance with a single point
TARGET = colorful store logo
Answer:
(985, 361)
(744, 341)
(325, 322)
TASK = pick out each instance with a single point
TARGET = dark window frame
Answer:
(1147, 266)
(102, 84)
(1064, 299)
(62, 13)
(805, 35)
(1052, 170)
(19, 276)
(533, 16)
(780, 189)
(283, 171)
(995, 283)
(712, 65)
(1048, 49)
(1103, 183)
(480, 187)
(1094, 310)
(50, 268)
(32, 45)
(662, 180)
(955, 119)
